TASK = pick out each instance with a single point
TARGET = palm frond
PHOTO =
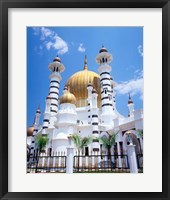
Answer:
(81, 142)
(113, 139)
(76, 140)
(110, 140)
(105, 141)
(85, 141)
(41, 141)
(140, 132)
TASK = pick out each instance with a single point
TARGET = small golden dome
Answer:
(30, 131)
(67, 97)
(79, 82)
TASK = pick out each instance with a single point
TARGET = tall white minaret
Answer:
(130, 107)
(46, 115)
(95, 122)
(104, 59)
(36, 125)
(56, 68)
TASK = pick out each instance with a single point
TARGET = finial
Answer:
(57, 59)
(85, 62)
(129, 96)
(38, 109)
(130, 100)
(103, 49)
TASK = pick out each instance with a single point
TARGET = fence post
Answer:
(132, 158)
(70, 157)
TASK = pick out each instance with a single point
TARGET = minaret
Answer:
(46, 115)
(131, 107)
(36, 125)
(95, 121)
(104, 59)
(56, 67)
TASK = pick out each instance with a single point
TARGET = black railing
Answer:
(46, 164)
(139, 158)
(101, 163)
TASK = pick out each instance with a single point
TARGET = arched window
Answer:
(103, 60)
(105, 90)
(110, 97)
(57, 69)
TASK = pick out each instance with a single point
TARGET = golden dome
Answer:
(30, 131)
(67, 97)
(78, 83)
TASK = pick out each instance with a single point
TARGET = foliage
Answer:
(109, 141)
(41, 141)
(81, 142)
(140, 133)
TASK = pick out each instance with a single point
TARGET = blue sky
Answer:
(71, 44)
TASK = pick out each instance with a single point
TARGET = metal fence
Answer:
(101, 163)
(46, 164)
(82, 164)
(140, 162)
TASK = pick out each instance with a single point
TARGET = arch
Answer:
(134, 141)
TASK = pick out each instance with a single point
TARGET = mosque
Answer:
(87, 107)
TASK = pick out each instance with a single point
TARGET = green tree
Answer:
(41, 142)
(108, 142)
(80, 142)
(140, 133)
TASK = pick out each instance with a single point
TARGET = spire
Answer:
(85, 62)
(38, 109)
(57, 59)
(103, 49)
(130, 100)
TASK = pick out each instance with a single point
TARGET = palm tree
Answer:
(140, 133)
(80, 142)
(108, 142)
(41, 141)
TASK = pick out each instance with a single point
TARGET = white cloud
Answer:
(36, 30)
(140, 50)
(81, 48)
(133, 86)
(45, 33)
(51, 40)
(58, 44)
